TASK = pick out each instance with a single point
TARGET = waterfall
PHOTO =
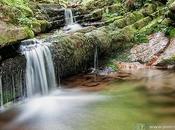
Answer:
(40, 74)
(96, 59)
(95, 63)
(1, 92)
(70, 21)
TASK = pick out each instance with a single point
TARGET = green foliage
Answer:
(18, 11)
(21, 5)
(135, 4)
(171, 32)
(112, 65)
(140, 38)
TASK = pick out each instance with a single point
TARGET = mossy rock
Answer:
(120, 23)
(128, 32)
(128, 19)
(149, 28)
(172, 6)
(159, 12)
(133, 17)
(39, 26)
(94, 4)
(172, 33)
(125, 35)
(111, 20)
(148, 9)
(115, 8)
(98, 13)
(11, 34)
(142, 22)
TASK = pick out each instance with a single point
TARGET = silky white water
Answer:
(70, 21)
(1, 91)
(40, 75)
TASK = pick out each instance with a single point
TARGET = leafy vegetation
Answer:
(18, 11)
(140, 38)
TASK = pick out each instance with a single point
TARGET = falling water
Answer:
(40, 75)
(95, 69)
(96, 59)
(1, 91)
(70, 21)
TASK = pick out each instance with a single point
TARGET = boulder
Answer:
(168, 56)
(172, 6)
(148, 52)
(94, 4)
(10, 33)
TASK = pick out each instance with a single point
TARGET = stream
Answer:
(126, 100)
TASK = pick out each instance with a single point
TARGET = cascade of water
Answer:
(13, 89)
(96, 59)
(1, 92)
(70, 21)
(96, 62)
(40, 74)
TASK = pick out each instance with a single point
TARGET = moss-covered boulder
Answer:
(94, 4)
(115, 8)
(172, 6)
(39, 26)
(148, 9)
(10, 33)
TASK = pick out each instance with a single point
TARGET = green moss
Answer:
(128, 19)
(120, 23)
(142, 22)
(170, 61)
(148, 9)
(111, 19)
(116, 8)
(128, 33)
(172, 6)
(15, 34)
(140, 38)
(151, 26)
(133, 17)
(98, 13)
(44, 25)
(112, 65)
(29, 32)
(172, 33)
(17, 11)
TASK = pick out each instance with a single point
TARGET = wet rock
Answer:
(147, 52)
(133, 65)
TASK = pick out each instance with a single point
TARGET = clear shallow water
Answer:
(126, 100)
